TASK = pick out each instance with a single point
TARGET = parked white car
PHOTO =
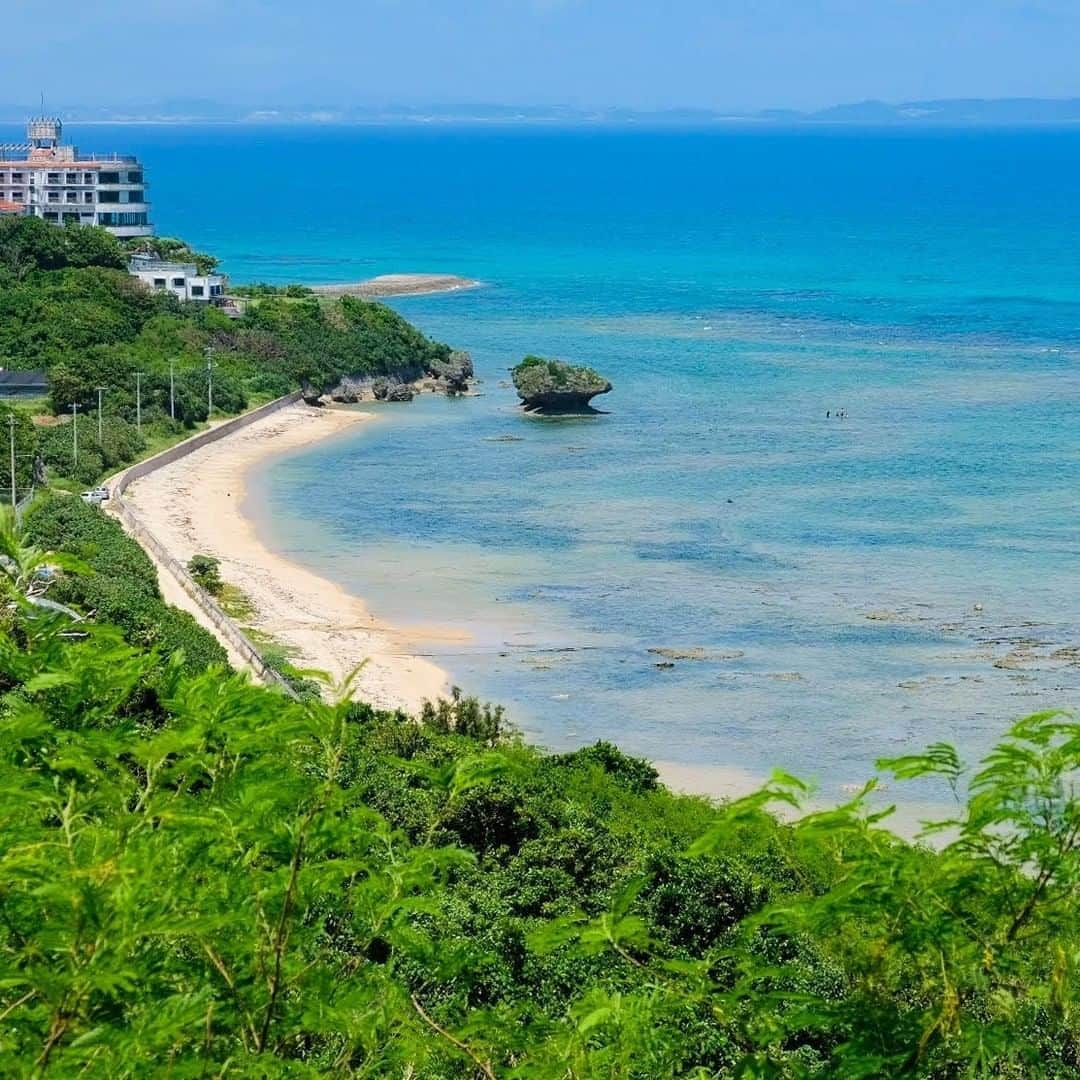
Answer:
(96, 496)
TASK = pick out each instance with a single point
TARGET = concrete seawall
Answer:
(207, 610)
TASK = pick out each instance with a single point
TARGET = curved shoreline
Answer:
(195, 506)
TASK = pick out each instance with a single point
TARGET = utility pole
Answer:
(100, 390)
(11, 427)
(172, 389)
(75, 431)
(209, 382)
(138, 400)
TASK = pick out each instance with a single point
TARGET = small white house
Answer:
(183, 280)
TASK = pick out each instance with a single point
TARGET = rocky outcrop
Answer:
(451, 376)
(346, 393)
(390, 390)
(553, 386)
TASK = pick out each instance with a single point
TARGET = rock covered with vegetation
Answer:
(554, 386)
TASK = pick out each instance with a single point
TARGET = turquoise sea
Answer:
(859, 586)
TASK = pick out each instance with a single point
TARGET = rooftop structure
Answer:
(23, 383)
(47, 179)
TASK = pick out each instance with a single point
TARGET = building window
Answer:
(215, 290)
(17, 178)
(196, 290)
(135, 196)
(109, 196)
(54, 196)
(159, 283)
(71, 196)
(109, 178)
(53, 178)
(51, 215)
(134, 177)
(178, 282)
(71, 178)
(116, 220)
(88, 178)
(17, 196)
(88, 196)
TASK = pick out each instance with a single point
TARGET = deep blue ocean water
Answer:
(859, 586)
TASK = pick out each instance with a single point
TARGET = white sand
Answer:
(194, 507)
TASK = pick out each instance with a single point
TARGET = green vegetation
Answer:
(206, 570)
(167, 247)
(121, 587)
(261, 288)
(203, 878)
(559, 372)
(68, 306)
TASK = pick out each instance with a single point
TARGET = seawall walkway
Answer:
(177, 585)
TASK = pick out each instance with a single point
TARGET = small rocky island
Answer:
(555, 387)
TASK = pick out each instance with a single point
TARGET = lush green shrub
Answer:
(206, 570)
(197, 871)
(123, 589)
(261, 288)
(465, 715)
(58, 452)
(28, 243)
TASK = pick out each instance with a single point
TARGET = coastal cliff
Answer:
(451, 376)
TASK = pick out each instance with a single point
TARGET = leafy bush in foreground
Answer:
(208, 879)
(123, 587)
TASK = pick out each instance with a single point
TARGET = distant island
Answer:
(948, 112)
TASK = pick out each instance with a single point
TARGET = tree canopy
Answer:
(205, 878)
(69, 306)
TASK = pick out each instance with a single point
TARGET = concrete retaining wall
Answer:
(120, 483)
(222, 624)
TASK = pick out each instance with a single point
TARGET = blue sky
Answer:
(739, 54)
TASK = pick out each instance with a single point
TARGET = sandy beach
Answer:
(193, 506)
(386, 285)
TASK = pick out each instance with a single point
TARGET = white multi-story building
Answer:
(183, 280)
(55, 182)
